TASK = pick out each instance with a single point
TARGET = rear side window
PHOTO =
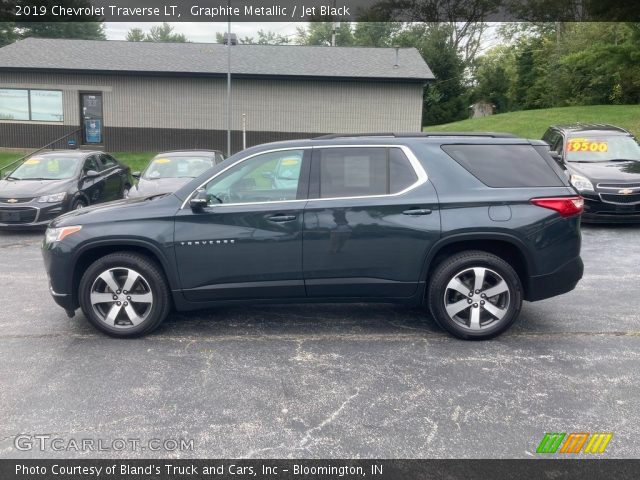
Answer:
(505, 165)
(351, 172)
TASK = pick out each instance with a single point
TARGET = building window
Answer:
(38, 105)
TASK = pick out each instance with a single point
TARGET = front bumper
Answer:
(561, 280)
(598, 211)
(62, 299)
(29, 216)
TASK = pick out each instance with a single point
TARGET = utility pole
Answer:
(228, 79)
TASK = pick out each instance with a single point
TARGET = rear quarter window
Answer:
(504, 166)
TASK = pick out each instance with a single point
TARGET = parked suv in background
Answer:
(467, 225)
(603, 163)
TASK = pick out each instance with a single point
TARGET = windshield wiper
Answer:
(9, 177)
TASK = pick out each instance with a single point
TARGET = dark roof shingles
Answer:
(205, 58)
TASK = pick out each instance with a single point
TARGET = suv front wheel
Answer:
(475, 295)
(124, 294)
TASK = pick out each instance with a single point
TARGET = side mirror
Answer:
(557, 156)
(136, 175)
(91, 174)
(199, 201)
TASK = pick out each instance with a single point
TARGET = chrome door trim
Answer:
(413, 160)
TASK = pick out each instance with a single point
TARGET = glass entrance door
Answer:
(91, 115)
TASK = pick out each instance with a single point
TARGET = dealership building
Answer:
(143, 96)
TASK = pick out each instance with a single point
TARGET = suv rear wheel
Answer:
(475, 295)
(124, 294)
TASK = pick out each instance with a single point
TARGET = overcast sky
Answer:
(205, 32)
(202, 32)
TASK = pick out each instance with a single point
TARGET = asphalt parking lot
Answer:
(326, 381)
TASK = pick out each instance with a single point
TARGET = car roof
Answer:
(75, 153)
(177, 153)
(590, 128)
(436, 138)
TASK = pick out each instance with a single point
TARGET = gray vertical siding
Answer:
(178, 110)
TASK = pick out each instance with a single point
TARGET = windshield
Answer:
(602, 148)
(49, 167)
(177, 167)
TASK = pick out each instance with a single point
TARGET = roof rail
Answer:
(417, 135)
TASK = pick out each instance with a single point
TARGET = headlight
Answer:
(55, 198)
(58, 234)
(581, 183)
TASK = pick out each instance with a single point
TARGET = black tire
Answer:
(78, 203)
(151, 281)
(492, 269)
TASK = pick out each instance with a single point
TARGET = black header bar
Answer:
(318, 10)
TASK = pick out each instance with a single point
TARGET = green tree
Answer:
(319, 33)
(8, 33)
(375, 34)
(164, 33)
(266, 38)
(446, 98)
(493, 76)
(135, 35)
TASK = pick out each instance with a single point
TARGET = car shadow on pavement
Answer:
(301, 319)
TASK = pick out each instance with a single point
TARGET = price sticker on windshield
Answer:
(162, 160)
(33, 161)
(585, 145)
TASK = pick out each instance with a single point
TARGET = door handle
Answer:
(417, 211)
(281, 218)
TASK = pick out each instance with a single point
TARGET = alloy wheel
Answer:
(121, 298)
(477, 298)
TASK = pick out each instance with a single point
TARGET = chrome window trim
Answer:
(413, 160)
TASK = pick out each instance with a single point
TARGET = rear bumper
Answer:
(561, 280)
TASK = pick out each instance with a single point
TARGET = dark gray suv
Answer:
(467, 225)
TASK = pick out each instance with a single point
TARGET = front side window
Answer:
(25, 104)
(107, 162)
(268, 177)
(366, 171)
(91, 164)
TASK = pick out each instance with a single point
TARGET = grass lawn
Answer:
(533, 123)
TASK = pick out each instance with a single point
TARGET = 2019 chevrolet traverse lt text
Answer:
(467, 225)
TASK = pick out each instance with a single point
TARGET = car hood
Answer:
(32, 188)
(121, 210)
(599, 172)
(161, 185)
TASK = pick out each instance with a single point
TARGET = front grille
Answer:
(620, 199)
(19, 200)
(18, 215)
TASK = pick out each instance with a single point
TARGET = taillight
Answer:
(565, 206)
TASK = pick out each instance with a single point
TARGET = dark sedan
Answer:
(51, 183)
(169, 171)
(603, 164)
